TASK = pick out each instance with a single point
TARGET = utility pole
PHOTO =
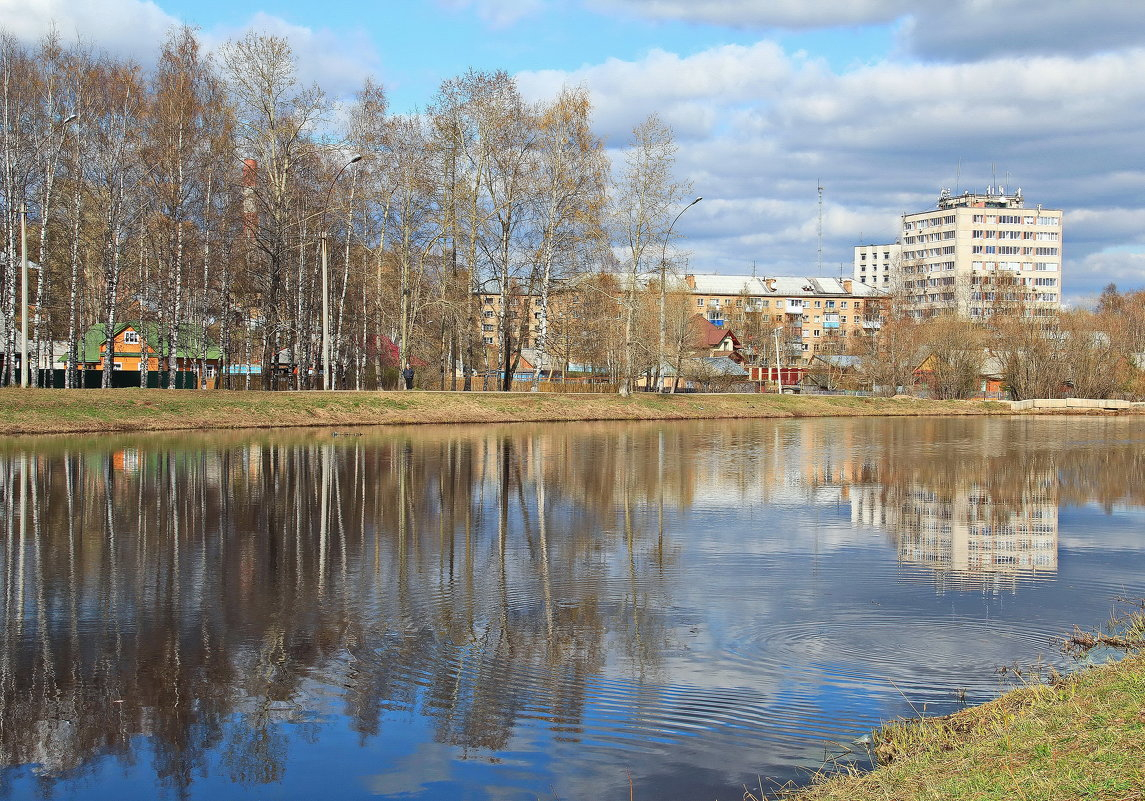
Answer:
(325, 314)
(24, 295)
(778, 370)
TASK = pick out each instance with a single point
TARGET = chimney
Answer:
(847, 284)
(770, 284)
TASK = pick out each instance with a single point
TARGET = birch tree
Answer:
(273, 118)
(571, 185)
(642, 208)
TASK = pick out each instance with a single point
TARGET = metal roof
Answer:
(778, 286)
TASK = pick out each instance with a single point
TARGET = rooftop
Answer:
(779, 286)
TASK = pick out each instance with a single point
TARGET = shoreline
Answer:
(32, 412)
(1076, 736)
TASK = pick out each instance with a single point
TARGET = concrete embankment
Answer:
(1075, 405)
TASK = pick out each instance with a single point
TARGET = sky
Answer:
(883, 103)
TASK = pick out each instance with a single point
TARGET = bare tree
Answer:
(571, 178)
(273, 119)
(646, 196)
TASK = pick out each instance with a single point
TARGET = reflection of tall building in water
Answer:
(972, 535)
(983, 520)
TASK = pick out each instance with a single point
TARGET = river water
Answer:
(535, 611)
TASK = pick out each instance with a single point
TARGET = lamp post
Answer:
(663, 279)
(327, 381)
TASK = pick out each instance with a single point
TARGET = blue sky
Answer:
(884, 101)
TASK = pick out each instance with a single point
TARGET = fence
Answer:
(120, 379)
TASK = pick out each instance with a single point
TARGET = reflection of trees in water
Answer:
(199, 596)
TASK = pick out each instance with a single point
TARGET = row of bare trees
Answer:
(1082, 353)
(238, 216)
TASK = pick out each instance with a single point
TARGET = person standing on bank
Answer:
(407, 375)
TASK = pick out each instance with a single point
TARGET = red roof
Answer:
(711, 335)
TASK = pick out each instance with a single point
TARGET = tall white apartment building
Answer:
(876, 265)
(974, 255)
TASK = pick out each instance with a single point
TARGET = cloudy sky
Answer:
(883, 102)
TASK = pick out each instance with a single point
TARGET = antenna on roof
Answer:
(958, 176)
(819, 186)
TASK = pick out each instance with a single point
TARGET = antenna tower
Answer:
(819, 186)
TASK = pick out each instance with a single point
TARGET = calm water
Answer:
(534, 611)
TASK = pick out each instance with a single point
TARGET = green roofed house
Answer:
(133, 339)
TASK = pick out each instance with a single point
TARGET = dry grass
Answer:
(29, 411)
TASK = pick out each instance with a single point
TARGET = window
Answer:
(699, 301)
(488, 301)
(117, 365)
(130, 337)
(486, 328)
(862, 257)
(488, 340)
(818, 304)
(815, 332)
(830, 304)
(487, 313)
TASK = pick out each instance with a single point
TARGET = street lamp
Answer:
(663, 279)
(327, 383)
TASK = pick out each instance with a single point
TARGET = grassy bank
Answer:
(26, 411)
(1077, 738)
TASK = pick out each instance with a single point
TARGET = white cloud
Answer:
(952, 30)
(495, 13)
(758, 129)
(962, 30)
(686, 91)
(131, 28)
(770, 14)
(338, 61)
(1093, 273)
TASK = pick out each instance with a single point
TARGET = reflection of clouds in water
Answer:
(411, 774)
(514, 608)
